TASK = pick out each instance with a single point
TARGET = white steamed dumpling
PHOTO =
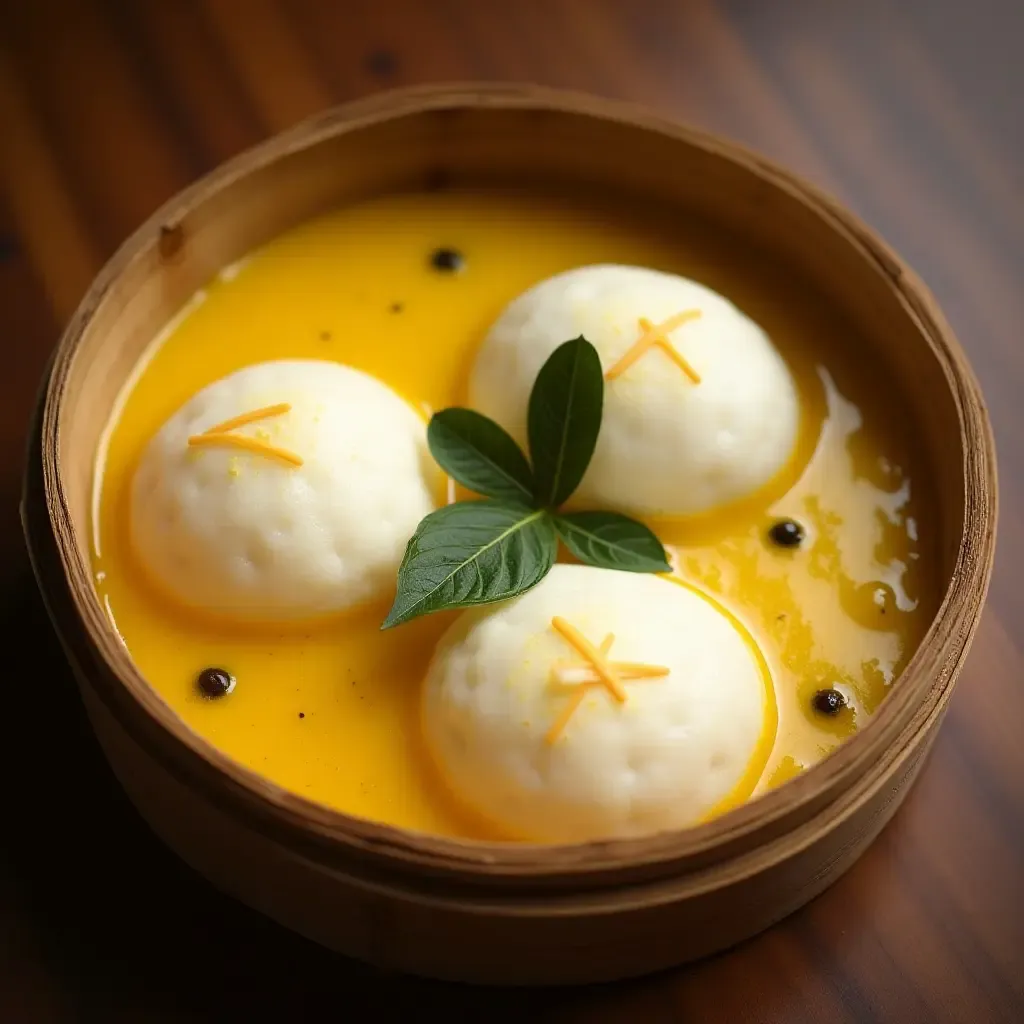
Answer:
(668, 445)
(503, 678)
(314, 526)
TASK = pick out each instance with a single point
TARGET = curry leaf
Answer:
(563, 420)
(480, 455)
(481, 552)
(612, 541)
(470, 553)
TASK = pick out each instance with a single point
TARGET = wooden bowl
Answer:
(476, 911)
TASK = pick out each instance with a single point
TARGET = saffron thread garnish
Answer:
(597, 673)
(657, 335)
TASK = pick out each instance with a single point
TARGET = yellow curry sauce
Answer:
(332, 711)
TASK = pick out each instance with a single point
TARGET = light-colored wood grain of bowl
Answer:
(471, 910)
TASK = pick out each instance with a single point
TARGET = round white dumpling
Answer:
(253, 536)
(502, 680)
(668, 445)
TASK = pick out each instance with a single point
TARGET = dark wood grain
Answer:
(909, 112)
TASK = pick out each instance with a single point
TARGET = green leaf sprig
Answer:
(492, 549)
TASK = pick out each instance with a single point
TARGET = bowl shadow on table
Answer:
(119, 921)
(125, 926)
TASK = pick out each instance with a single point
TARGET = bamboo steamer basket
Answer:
(474, 911)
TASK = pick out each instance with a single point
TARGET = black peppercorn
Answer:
(447, 260)
(787, 533)
(215, 682)
(828, 702)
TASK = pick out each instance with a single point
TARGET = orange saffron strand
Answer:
(627, 671)
(630, 670)
(567, 666)
(638, 670)
(673, 353)
(593, 655)
(657, 334)
(250, 444)
(249, 417)
(567, 712)
(575, 700)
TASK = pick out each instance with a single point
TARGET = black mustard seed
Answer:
(828, 702)
(786, 533)
(448, 261)
(215, 682)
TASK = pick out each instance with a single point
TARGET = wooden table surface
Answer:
(909, 111)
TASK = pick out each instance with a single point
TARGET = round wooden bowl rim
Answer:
(916, 699)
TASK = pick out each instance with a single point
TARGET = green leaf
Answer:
(563, 420)
(480, 455)
(612, 541)
(471, 553)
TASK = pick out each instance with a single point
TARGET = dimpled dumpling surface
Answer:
(662, 759)
(253, 536)
(668, 445)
